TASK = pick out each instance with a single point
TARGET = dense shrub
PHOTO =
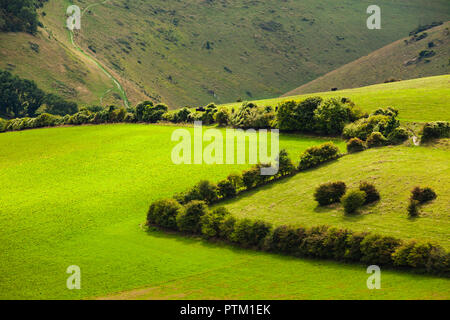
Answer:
(3, 125)
(226, 189)
(385, 123)
(212, 221)
(423, 256)
(371, 192)
(353, 200)
(285, 164)
(355, 145)
(250, 233)
(398, 135)
(413, 208)
(222, 117)
(376, 249)
(204, 190)
(332, 116)
(330, 192)
(423, 194)
(209, 114)
(236, 180)
(285, 239)
(181, 115)
(376, 139)
(250, 115)
(188, 220)
(164, 213)
(226, 228)
(292, 116)
(250, 177)
(353, 246)
(313, 245)
(316, 155)
(435, 130)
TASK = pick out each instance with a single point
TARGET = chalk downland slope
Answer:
(192, 52)
(400, 60)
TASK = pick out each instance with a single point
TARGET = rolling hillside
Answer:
(194, 52)
(400, 60)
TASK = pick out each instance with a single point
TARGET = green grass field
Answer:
(418, 100)
(79, 195)
(394, 171)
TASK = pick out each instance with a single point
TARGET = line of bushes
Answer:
(317, 242)
(235, 183)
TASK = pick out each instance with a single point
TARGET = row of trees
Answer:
(324, 242)
(22, 98)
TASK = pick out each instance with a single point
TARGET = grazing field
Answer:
(418, 100)
(394, 171)
(78, 196)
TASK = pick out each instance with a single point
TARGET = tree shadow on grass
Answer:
(214, 244)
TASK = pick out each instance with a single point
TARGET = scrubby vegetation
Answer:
(330, 192)
(19, 15)
(318, 242)
(22, 98)
(435, 130)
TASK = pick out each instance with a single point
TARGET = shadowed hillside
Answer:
(422, 54)
(194, 52)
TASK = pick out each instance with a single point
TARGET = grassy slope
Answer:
(78, 195)
(159, 47)
(418, 100)
(394, 170)
(388, 62)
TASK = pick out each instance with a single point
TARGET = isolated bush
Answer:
(413, 208)
(398, 135)
(188, 220)
(423, 194)
(329, 193)
(285, 239)
(353, 200)
(376, 139)
(212, 221)
(355, 145)
(435, 130)
(164, 213)
(318, 154)
(250, 233)
(370, 190)
(377, 249)
(226, 189)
